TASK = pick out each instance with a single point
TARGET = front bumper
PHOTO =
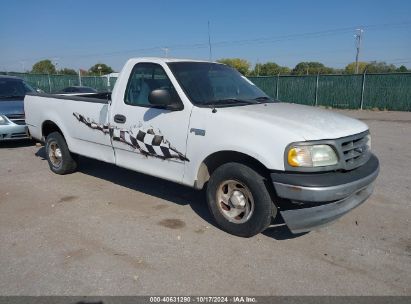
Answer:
(13, 131)
(313, 200)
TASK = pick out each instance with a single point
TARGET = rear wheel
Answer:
(239, 200)
(60, 160)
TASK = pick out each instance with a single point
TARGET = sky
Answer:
(78, 34)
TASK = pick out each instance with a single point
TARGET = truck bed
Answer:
(103, 97)
(52, 110)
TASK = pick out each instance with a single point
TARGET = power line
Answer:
(229, 43)
(318, 34)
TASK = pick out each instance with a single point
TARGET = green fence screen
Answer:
(368, 91)
(55, 83)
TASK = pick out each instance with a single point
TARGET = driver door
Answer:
(148, 139)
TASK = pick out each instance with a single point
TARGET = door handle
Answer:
(118, 118)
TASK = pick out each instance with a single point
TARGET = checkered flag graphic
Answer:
(147, 142)
(92, 124)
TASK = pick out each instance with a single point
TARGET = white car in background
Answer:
(12, 118)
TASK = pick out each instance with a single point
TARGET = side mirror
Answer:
(162, 98)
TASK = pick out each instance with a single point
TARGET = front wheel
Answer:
(60, 160)
(239, 200)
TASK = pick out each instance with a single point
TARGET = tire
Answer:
(242, 185)
(60, 160)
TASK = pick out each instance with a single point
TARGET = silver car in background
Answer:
(12, 118)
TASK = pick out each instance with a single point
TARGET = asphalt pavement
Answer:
(109, 231)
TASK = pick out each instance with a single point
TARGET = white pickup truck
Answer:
(202, 124)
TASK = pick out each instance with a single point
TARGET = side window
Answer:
(144, 78)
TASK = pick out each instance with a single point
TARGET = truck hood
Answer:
(311, 123)
(12, 106)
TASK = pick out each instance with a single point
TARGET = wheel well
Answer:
(217, 159)
(49, 127)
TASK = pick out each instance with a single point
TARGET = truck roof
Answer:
(165, 60)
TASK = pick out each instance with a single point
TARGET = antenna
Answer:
(209, 41)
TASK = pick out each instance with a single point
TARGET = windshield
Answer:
(13, 88)
(216, 84)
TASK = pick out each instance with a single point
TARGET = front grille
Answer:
(19, 135)
(15, 116)
(18, 119)
(354, 150)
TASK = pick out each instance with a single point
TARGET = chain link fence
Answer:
(367, 91)
(55, 83)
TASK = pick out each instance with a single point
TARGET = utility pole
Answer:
(23, 65)
(56, 63)
(358, 38)
(166, 51)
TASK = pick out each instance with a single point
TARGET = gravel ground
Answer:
(109, 231)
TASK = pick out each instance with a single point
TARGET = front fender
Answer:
(224, 131)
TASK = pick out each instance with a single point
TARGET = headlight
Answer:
(369, 142)
(3, 120)
(311, 156)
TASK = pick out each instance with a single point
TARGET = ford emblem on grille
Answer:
(359, 149)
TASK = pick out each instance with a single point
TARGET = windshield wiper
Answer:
(263, 98)
(228, 101)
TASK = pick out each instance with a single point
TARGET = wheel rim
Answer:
(55, 155)
(235, 201)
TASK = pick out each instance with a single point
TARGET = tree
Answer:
(269, 69)
(311, 67)
(67, 71)
(103, 70)
(350, 68)
(44, 67)
(371, 67)
(380, 67)
(83, 72)
(402, 69)
(241, 65)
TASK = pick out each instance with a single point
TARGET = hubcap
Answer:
(235, 201)
(55, 155)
